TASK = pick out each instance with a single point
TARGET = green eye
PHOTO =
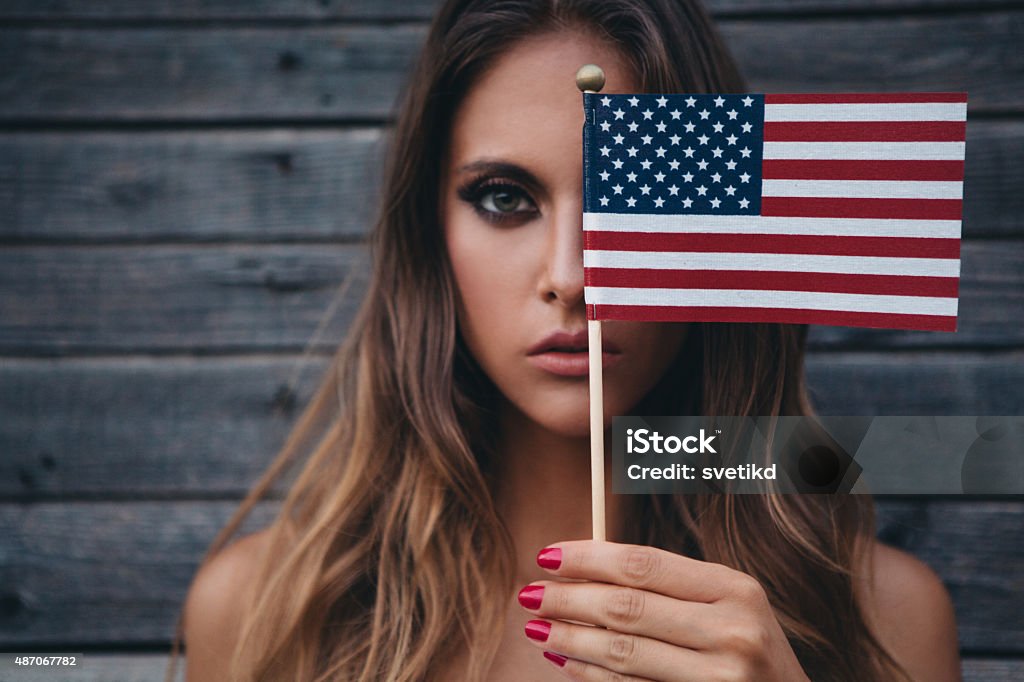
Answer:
(504, 200)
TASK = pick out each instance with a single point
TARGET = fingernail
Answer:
(555, 658)
(531, 596)
(538, 630)
(550, 557)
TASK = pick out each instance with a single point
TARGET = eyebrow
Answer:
(497, 167)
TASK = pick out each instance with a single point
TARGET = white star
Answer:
(604, 175)
(618, 138)
(690, 127)
(605, 151)
(747, 127)
(732, 114)
(645, 190)
(631, 177)
(730, 164)
(704, 113)
(689, 152)
(619, 113)
(744, 203)
(646, 164)
(658, 202)
(673, 190)
(747, 101)
(717, 151)
(662, 101)
(716, 202)
(606, 101)
(718, 127)
(702, 164)
(674, 139)
(660, 177)
(647, 114)
(633, 101)
(676, 114)
(717, 177)
(673, 164)
(646, 139)
(730, 190)
(604, 201)
(731, 139)
(690, 101)
(617, 163)
(632, 151)
(660, 151)
(719, 101)
(688, 177)
(745, 152)
(605, 126)
(631, 202)
(687, 202)
(617, 189)
(703, 139)
(702, 190)
(745, 177)
(633, 126)
(660, 127)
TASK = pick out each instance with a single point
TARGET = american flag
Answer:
(839, 209)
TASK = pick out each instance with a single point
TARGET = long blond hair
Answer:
(387, 554)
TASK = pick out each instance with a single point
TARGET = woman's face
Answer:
(512, 215)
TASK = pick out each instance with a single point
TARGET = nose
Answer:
(562, 281)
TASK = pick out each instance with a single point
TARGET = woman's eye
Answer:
(505, 200)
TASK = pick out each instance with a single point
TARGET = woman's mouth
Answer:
(567, 354)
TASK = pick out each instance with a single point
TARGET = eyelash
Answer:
(475, 190)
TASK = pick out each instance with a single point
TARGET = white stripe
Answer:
(860, 111)
(754, 224)
(903, 151)
(756, 298)
(789, 262)
(863, 189)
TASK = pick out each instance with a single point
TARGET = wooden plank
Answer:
(337, 72)
(993, 669)
(278, 184)
(171, 298)
(209, 426)
(226, 298)
(281, 184)
(392, 9)
(101, 573)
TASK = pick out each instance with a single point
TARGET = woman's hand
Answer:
(663, 617)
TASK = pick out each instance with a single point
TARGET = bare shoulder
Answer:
(912, 614)
(213, 613)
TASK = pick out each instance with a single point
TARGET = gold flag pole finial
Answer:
(590, 78)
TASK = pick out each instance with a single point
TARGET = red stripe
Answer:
(866, 98)
(829, 207)
(906, 247)
(840, 283)
(939, 323)
(857, 131)
(794, 169)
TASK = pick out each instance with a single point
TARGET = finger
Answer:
(623, 609)
(640, 566)
(581, 670)
(618, 652)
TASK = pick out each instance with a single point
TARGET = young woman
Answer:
(437, 530)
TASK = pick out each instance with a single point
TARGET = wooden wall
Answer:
(184, 185)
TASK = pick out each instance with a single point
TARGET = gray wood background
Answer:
(183, 187)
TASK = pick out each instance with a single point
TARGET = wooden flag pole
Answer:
(590, 78)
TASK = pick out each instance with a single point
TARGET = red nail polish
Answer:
(557, 659)
(531, 596)
(538, 630)
(550, 557)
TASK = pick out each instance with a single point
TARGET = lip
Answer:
(567, 353)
